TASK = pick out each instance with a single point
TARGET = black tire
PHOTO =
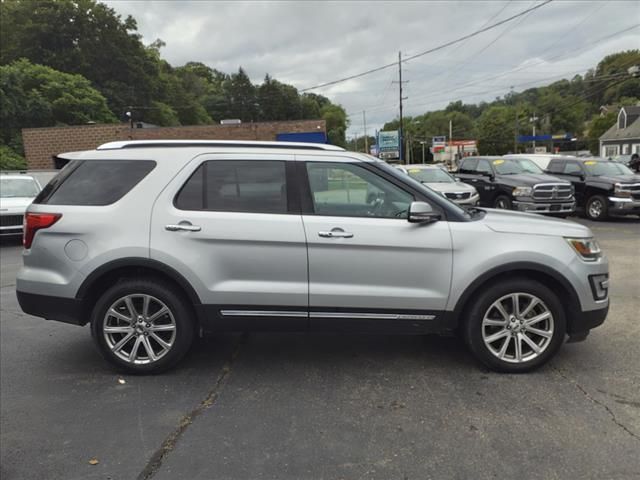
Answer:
(596, 208)
(180, 320)
(503, 202)
(473, 329)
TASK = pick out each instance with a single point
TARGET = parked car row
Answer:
(548, 184)
(17, 191)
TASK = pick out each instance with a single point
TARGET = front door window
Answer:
(348, 190)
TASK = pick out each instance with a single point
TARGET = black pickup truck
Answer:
(517, 184)
(602, 187)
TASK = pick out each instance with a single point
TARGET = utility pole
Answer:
(533, 120)
(400, 82)
(515, 130)
(423, 142)
(366, 140)
(451, 142)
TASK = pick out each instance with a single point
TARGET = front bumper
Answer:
(11, 223)
(624, 206)
(582, 323)
(10, 231)
(540, 207)
(471, 201)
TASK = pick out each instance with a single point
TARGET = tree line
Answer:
(565, 106)
(70, 62)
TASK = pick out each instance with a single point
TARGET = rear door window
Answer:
(484, 167)
(94, 182)
(251, 186)
(556, 166)
(469, 166)
(572, 167)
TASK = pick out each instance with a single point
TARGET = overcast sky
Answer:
(309, 43)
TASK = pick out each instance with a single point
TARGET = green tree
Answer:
(278, 101)
(84, 37)
(10, 160)
(496, 130)
(597, 127)
(39, 96)
(337, 123)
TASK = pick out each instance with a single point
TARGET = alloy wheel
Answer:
(595, 208)
(517, 327)
(139, 328)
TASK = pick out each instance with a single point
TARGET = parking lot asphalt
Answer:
(296, 406)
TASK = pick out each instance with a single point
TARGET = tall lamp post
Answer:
(533, 120)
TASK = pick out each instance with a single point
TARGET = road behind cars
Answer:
(323, 406)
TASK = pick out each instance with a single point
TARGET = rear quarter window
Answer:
(94, 182)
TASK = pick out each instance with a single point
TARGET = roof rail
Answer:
(216, 143)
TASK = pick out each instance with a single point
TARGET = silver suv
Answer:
(155, 242)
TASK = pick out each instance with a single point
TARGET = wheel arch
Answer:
(109, 273)
(541, 273)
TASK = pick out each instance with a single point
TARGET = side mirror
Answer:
(421, 212)
(458, 180)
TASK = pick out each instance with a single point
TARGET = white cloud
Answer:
(309, 43)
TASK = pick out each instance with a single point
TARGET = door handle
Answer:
(336, 233)
(187, 227)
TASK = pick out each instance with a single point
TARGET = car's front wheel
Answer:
(597, 208)
(142, 326)
(515, 326)
(503, 202)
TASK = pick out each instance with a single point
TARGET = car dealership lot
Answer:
(324, 406)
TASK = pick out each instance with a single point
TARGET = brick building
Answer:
(41, 145)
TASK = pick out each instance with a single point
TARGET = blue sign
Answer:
(542, 138)
(307, 137)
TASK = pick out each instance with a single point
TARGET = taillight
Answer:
(34, 222)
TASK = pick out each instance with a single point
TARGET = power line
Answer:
(431, 50)
(513, 70)
(493, 77)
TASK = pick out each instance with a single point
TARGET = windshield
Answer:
(512, 166)
(598, 169)
(418, 185)
(18, 187)
(430, 175)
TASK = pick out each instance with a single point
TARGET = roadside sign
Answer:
(440, 140)
(389, 144)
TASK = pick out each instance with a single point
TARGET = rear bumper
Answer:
(67, 310)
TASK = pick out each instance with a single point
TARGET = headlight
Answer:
(586, 248)
(619, 191)
(522, 191)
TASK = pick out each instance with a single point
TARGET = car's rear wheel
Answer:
(503, 202)
(597, 208)
(515, 326)
(142, 326)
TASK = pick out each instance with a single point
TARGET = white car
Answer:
(441, 181)
(17, 191)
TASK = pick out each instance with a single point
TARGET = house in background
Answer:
(623, 138)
